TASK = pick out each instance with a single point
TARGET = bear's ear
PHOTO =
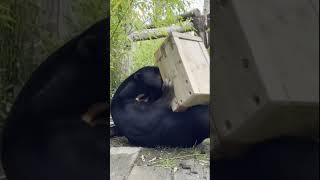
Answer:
(138, 77)
(128, 90)
(86, 47)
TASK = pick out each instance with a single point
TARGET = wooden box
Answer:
(265, 73)
(184, 60)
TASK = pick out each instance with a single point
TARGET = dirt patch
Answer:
(119, 141)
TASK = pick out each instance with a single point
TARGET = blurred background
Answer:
(30, 30)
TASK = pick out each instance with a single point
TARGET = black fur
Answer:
(44, 137)
(153, 123)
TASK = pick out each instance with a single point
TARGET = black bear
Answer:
(141, 109)
(47, 135)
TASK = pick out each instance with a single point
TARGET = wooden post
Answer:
(199, 23)
(148, 34)
(206, 7)
(54, 16)
(206, 13)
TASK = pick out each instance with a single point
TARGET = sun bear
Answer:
(141, 109)
(45, 136)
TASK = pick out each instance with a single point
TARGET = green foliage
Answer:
(17, 20)
(86, 13)
(5, 16)
(144, 53)
(133, 15)
(120, 16)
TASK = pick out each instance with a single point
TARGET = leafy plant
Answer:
(133, 15)
(143, 54)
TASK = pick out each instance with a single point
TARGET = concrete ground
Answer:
(135, 163)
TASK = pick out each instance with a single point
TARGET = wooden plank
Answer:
(315, 6)
(285, 40)
(265, 75)
(157, 33)
(185, 61)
